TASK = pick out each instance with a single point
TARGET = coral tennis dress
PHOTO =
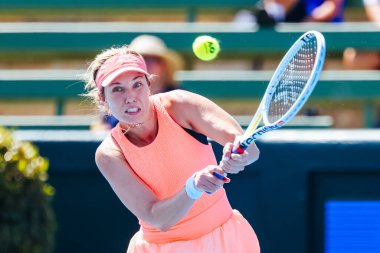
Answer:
(211, 225)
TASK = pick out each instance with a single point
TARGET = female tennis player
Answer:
(160, 165)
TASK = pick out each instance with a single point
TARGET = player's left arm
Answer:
(200, 114)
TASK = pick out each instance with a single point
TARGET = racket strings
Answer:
(293, 81)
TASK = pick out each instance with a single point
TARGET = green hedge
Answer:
(27, 222)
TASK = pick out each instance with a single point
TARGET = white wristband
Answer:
(190, 189)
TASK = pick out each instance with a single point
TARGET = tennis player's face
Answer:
(128, 98)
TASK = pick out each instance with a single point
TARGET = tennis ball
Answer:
(206, 48)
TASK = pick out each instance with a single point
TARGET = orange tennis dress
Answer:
(211, 225)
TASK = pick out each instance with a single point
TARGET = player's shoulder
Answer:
(179, 98)
(107, 153)
(177, 102)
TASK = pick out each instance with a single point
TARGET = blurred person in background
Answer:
(270, 12)
(354, 59)
(316, 11)
(372, 9)
(161, 62)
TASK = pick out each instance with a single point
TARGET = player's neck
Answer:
(144, 134)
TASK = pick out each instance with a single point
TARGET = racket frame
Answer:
(252, 132)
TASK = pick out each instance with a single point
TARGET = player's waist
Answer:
(192, 226)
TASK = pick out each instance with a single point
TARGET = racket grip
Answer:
(238, 150)
(218, 176)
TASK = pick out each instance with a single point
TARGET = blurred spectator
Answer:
(352, 58)
(372, 8)
(270, 12)
(161, 61)
(264, 13)
(316, 11)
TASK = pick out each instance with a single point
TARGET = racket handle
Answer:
(218, 176)
(238, 150)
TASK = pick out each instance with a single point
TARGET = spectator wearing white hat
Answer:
(160, 60)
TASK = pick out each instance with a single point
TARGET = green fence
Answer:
(93, 37)
(90, 38)
(191, 7)
(61, 86)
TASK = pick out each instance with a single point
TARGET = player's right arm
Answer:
(138, 197)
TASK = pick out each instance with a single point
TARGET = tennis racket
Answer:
(289, 87)
(288, 90)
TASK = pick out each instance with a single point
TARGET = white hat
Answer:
(149, 45)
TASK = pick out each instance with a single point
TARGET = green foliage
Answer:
(27, 222)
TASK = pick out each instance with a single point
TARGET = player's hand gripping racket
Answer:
(289, 88)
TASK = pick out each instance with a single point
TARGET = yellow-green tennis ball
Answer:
(206, 48)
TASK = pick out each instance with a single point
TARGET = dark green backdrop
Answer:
(282, 195)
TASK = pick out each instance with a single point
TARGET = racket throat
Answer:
(262, 130)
